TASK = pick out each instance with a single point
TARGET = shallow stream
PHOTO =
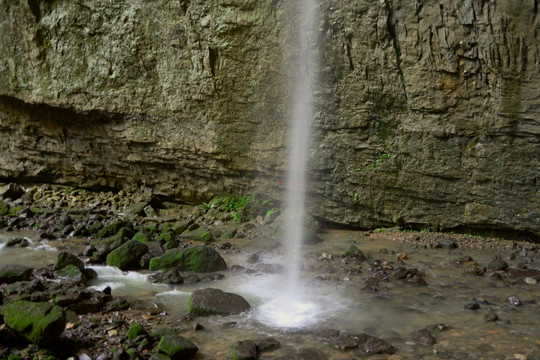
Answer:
(332, 297)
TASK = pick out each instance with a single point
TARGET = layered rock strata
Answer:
(427, 112)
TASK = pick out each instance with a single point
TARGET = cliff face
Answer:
(428, 112)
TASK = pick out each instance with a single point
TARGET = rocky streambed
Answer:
(105, 275)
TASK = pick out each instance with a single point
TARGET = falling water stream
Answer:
(290, 307)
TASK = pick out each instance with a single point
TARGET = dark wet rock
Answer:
(496, 276)
(353, 252)
(177, 347)
(472, 268)
(514, 301)
(491, 316)
(423, 337)
(253, 259)
(154, 250)
(80, 230)
(181, 226)
(11, 191)
(17, 242)
(380, 274)
(446, 243)
(196, 259)
(199, 234)
(71, 272)
(412, 276)
(370, 285)
(266, 344)
(461, 261)
(10, 273)
(244, 350)
(375, 345)
(472, 306)
(105, 246)
(270, 268)
(522, 273)
(172, 277)
(95, 227)
(65, 258)
(114, 228)
(68, 230)
(497, 265)
(237, 268)
(211, 301)
(127, 255)
(229, 324)
(344, 342)
(41, 323)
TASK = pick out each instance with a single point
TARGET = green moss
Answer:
(136, 330)
(70, 272)
(94, 228)
(4, 208)
(171, 258)
(199, 234)
(41, 323)
(142, 236)
(176, 347)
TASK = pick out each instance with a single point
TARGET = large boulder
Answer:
(203, 259)
(105, 246)
(10, 273)
(64, 259)
(196, 259)
(211, 301)
(177, 347)
(39, 322)
(127, 255)
(71, 272)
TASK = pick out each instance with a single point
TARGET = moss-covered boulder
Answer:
(142, 236)
(211, 301)
(245, 350)
(172, 258)
(64, 259)
(10, 273)
(114, 228)
(199, 234)
(4, 208)
(127, 256)
(177, 347)
(181, 226)
(135, 331)
(196, 259)
(202, 259)
(105, 246)
(39, 322)
(71, 272)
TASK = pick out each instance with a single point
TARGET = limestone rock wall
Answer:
(427, 113)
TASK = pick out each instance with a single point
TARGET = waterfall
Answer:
(302, 86)
(290, 306)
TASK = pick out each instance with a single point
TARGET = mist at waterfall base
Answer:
(291, 306)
